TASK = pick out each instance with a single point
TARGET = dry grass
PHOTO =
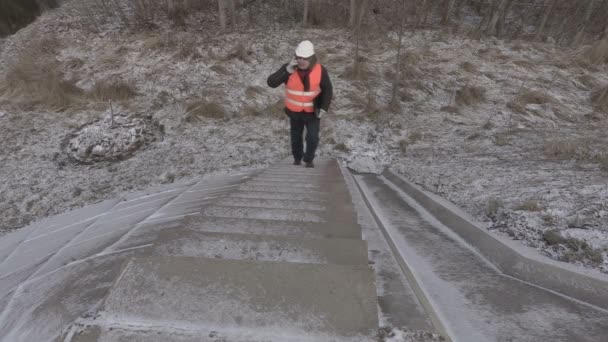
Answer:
(411, 57)
(414, 137)
(359, 72)
(560, 148)
(187, 51)
(493, 207)
(240, 52)
(597, 54)
(599, 99)
(254, 91)
(36, 79)
(603, 161)
(253, 111)
(530, 97)
(589, 81)
(525, 64)
(470, 95)
(197, 111)
(529, 205)
(469, 67)
(502, 139)
(450, 109)
(114, 89)
(73, 64)
(341, 147)
(220, 69)
(159, 42)
(403, 144)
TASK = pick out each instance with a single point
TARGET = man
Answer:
(308, 93)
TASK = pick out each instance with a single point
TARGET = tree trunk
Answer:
(306, 9)
(353, 13)
(449, 5)
(497, 13)
(583, 26)
(362, 10)
(222, 11)
(394, 99)
(426, 8)
(549, 6)
(232, 14)
(501, 21)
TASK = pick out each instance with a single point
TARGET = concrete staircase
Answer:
(278, 259)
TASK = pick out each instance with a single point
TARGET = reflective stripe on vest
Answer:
(298, 100)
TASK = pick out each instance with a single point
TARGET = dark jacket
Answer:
(321, 102)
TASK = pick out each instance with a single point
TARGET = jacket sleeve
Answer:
(327, 90)
(279, 77)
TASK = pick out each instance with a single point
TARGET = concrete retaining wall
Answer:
(562, 278)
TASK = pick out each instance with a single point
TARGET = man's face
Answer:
(303, 63)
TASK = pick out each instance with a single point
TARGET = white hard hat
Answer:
(305, 49)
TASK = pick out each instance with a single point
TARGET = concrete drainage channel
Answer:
(474, 286)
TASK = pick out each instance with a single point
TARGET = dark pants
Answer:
(298, 122)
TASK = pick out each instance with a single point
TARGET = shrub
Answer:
(494, 205)
(530, 97)
(560, 148)
(468, 66)
(403, 144)
(470, 95)
(414, 137)
(113, 89)
(36, 79)
(341, 147)
(529, 205)
(599, 98)
(553, 237)
(198, 110)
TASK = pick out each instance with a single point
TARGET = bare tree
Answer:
(306, 10)
(394, 100)
(232, 14)
(501, 20)
(222, 11)
(549, 6)
(449, 5)
(361, 15)
(583, 25)
(353, 13)
(497, 13)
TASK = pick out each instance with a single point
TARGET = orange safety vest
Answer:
(296, 99)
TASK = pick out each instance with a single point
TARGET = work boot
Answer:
(297, 162)
(310, 164)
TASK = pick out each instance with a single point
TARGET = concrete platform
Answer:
(329, 299)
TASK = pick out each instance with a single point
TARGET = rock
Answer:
(167, 177)
(366, 164)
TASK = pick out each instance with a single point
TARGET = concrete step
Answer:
(233, 294)
(281, 189)
(292, 183)
(272, 227)
(181, 241)
(270, 203)
(262, 213)
(277, 196)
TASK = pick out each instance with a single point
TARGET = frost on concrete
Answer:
(218, 115)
